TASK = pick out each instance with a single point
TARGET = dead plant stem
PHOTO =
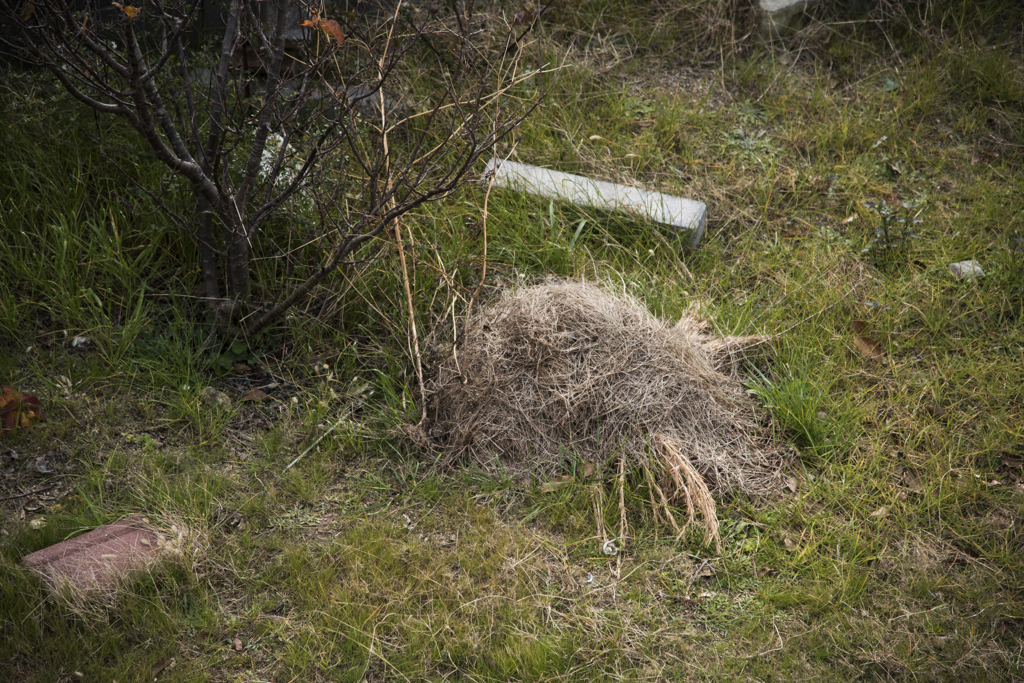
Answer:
(414, 337)
(483, 265)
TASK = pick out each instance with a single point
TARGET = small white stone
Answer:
(966, 270)
(215, 398)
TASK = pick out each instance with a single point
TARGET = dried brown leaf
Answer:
(18, 410)
(867, 346)
(254, 394)
(129, 11)
(1011, 461)
(160, 666)
(911, 479)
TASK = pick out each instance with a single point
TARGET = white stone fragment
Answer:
(782, 16)
(966, 270)
(682, 214)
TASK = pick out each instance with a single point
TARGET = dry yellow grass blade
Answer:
(689, 487)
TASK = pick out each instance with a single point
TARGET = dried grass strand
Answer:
(689, 486)
(564, 370)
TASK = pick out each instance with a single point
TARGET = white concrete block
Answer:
(782, 16)
(681, 214)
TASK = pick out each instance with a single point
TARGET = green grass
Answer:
(895, 553)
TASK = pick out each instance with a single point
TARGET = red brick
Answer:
(97, 558)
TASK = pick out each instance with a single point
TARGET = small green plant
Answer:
(796, 402)
(892, 229)
(224, 360)
(750, 145)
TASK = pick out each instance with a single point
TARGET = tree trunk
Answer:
(238, 260)
(208, 257)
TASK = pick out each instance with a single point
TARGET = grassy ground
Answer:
(896, 553)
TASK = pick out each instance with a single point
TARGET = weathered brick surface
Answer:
(97, 558)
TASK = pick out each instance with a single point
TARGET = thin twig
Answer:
(314, 444)
(483, 266)
(415, 342)
(417, 359)
(30, 493)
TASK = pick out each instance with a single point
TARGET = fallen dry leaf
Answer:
(880, 512)
(18, 410)
(866, 345)
(790, 545)
(254, 394)
(588, 469)
(791, 484)
(911, 479)
(160, 666)
(1011, 461)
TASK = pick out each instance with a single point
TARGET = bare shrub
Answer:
(298, 139)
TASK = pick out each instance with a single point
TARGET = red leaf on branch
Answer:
(333, 28)
(18, 410)
(130, 12)
(330, 27)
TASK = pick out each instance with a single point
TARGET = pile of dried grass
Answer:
(565, 370)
